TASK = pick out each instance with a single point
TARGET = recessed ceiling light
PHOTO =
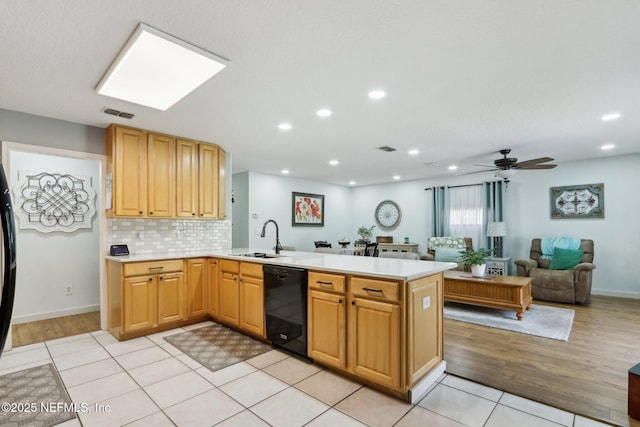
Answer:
(452, 167)
(157, 70)
(284, 171)
(396, 177)
(285, 126)
(352, 183)
(334, 162)
(324, 112)
(610, 116)
(414, 152)
(377, 94)
(607, 147)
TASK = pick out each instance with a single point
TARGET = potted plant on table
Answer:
(476, 260)
(366, 233)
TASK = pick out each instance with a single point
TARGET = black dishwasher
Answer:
(285, 300)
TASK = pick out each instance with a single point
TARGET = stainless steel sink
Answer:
(258, 255)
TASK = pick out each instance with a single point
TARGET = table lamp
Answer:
(497, 230)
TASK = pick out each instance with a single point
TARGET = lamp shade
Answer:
(496, 229)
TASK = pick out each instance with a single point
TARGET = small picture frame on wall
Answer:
(307, 210)
(577, 201)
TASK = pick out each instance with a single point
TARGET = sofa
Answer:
(451, 244)
(568, 285)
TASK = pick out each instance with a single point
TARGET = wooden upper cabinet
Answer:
(161, 165)
(127, 155)
(207, 181)
(161, 176)
(187, 178)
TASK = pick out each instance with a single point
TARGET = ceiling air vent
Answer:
(118, 113)
(386, 148)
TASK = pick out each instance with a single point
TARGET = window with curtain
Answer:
(466, 213)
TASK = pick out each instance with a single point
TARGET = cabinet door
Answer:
(424, 332)
(374, 346)
(187, 178)
(213, 293)
(222, 184)
(129, 172)
(171, 303)
(140, 303)
(229, 298)
(161, 194)
(196, 287)
(327, 328)
(252, 318)
(208, 181)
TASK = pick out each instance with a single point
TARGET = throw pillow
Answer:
(448, 255)
(565, 259)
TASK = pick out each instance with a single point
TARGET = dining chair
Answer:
(322, 244)
(371, 249)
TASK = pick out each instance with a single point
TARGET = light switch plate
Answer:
(426, 302)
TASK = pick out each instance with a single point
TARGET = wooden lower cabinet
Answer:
(374, 341)
(252, 316)
(197, 269)
(383, 331)
(229, 292)
(326, 339)
(140, 306)
(171, 302)
(213, 288)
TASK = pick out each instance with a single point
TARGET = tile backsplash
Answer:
(148, 236)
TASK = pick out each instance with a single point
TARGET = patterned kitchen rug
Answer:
(34, 397)
(217, 346)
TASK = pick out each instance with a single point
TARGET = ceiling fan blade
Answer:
(535, 167)
(469, 173)
(532, 162)
(486, 166)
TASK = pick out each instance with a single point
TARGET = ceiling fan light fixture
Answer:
(506, 173)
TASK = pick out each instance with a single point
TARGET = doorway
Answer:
(60, 265)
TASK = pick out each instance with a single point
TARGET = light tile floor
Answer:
(148, 382)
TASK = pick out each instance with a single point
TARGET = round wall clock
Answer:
(388, 214)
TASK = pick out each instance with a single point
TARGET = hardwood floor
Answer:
(586, 375)
(43, 330)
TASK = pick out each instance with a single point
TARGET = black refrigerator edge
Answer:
(8, 284)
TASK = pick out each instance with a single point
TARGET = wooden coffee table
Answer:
(506, 292)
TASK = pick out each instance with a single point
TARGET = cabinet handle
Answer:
(339, 301)
(156, 268)
(161, 277)
(324, 283)
(150, 213)
(372, 290)
(353, 303)
(201, 214)
(140, 212)
(151, 279)
(193, 213)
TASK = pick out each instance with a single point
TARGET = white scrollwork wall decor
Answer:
(51, 201)
(577, 201)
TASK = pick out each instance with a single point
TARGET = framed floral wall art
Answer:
(307, 210)
(578, 201)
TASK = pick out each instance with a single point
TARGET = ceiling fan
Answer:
(506, 167)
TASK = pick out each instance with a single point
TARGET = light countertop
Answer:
(389, 268)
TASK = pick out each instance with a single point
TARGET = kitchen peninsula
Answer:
(378, 320)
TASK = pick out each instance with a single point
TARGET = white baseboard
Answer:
(619, 294)
(53, 314)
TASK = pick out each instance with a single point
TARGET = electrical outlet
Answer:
(68, 290)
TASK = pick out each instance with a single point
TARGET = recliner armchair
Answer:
(568, 286)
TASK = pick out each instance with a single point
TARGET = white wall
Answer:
(48, 262)
(240, 210)
(527, 214)
(270, 198)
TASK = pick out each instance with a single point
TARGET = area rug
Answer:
(216, 346)
(34, 397)
(541, 320)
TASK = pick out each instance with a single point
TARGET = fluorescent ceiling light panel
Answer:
(157, 70)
